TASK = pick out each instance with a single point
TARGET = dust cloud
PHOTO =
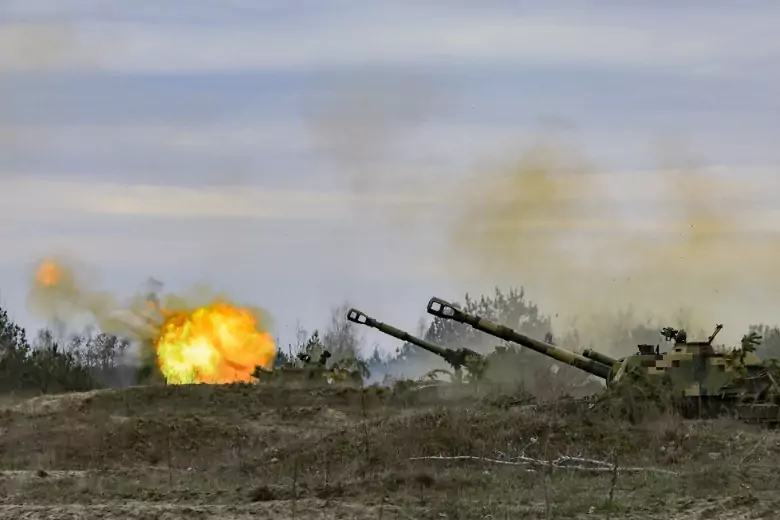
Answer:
(678, 245)
(600, 251)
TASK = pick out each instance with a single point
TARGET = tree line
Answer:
(91, 360)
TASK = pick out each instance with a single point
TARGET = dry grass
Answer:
(272, 452)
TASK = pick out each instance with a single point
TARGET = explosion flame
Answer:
(49, 273)
(215, 343)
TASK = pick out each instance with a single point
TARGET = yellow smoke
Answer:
(671, 245)
(681, 245)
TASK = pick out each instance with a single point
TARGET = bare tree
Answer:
(342, 338)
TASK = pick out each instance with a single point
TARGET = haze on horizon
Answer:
(296, 157)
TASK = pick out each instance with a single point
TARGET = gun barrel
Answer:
(598, 356)
(357, 316)
(443, 309)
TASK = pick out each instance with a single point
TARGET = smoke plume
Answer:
(684, 244)
(674, 244)
(63, 292)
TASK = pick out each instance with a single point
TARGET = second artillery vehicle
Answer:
(457, 359)
(702, 380)
(505, 365)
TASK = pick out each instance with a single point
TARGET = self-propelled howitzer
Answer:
(700, 379)
(443, 309)
(458, 359)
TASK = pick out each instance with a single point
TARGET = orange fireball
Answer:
(49, 273)
(214, 344)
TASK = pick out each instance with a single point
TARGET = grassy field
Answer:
(245, 451)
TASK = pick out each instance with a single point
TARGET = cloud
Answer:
(52, 197)
(751, 190)
(268, 136)
(385, 35)
(40, 198)
(205, 11)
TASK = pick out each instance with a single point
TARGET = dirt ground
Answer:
(266, 451)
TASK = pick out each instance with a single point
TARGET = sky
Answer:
(298, 156)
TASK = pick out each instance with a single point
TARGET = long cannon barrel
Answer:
(362, 318)
(443, 309)
(600, 357)
(456, 358)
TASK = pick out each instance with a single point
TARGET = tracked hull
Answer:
(713, 407)
(764, 414)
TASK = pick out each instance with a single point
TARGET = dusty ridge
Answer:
(279, 510)
(241, 451)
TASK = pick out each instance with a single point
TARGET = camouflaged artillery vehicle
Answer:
(306, 371)
(505, 366)
(702, 380)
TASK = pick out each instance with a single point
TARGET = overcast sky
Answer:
(260, 146)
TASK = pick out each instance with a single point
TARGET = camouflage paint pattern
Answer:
(697, 369)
